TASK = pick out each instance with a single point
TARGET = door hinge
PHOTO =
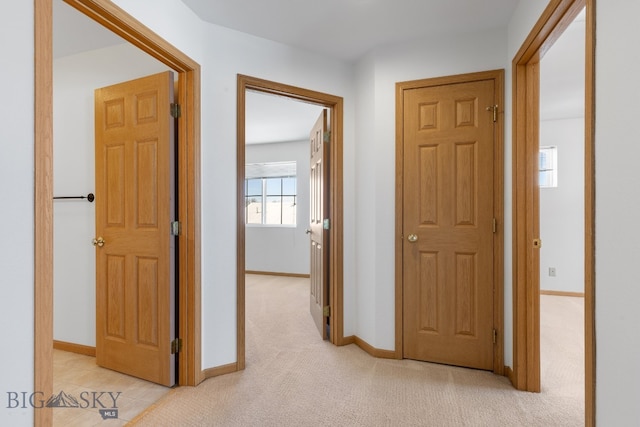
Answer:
(495, 225)
(327, 137)
(326, 311)
(495, 336)
(176, 111)
(176, 228)
(326, 224)
(494, 109)
(176, 346)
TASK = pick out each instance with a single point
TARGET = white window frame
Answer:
(548, 172)
(264, 172)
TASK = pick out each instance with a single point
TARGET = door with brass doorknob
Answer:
(447, 219)
(135, 274)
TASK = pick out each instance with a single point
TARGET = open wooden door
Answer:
(319, 226)
(135, 280)
(449, 224)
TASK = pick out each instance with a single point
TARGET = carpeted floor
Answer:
(293, 378)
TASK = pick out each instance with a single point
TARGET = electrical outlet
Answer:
(552, 271)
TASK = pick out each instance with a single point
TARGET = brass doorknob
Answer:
(98, 242)
(412, 238)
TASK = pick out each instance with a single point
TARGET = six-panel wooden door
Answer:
(135, 280)
(319, 211)
(448, 224)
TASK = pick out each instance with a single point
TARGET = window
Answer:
(270, 193)
(548, 167)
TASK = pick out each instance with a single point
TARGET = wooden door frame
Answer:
(336, 268)
(498, 205)
(526, 287)
(118, 21)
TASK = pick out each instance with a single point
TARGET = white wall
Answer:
(377, 75)
(365, 200)
(281, 249)
(617, 205)
(562, 208)
(16, 195)
(75, 79)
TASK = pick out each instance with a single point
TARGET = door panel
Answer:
(448, 224)
(319, 211)
(135, 282)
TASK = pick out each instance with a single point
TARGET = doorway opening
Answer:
(334, 105)
(119, 22)
(561, 197)
(526, 224)
(277, 196)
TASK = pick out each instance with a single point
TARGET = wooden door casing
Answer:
(448, 205)
(135, 277)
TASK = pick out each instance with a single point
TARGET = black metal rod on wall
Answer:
(90, 197)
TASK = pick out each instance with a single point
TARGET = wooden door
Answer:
(135, 281)
(319, 212)
(448, 224)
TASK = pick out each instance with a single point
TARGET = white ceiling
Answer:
(74, 33)
(344, 29)
(271, 118)
(347, 29)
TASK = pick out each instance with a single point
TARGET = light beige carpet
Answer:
(293, 378)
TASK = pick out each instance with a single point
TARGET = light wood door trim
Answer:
(498, 203)
(43, 208)
(526, 288)
(336, 264)
(118, 21)
(589, 217)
